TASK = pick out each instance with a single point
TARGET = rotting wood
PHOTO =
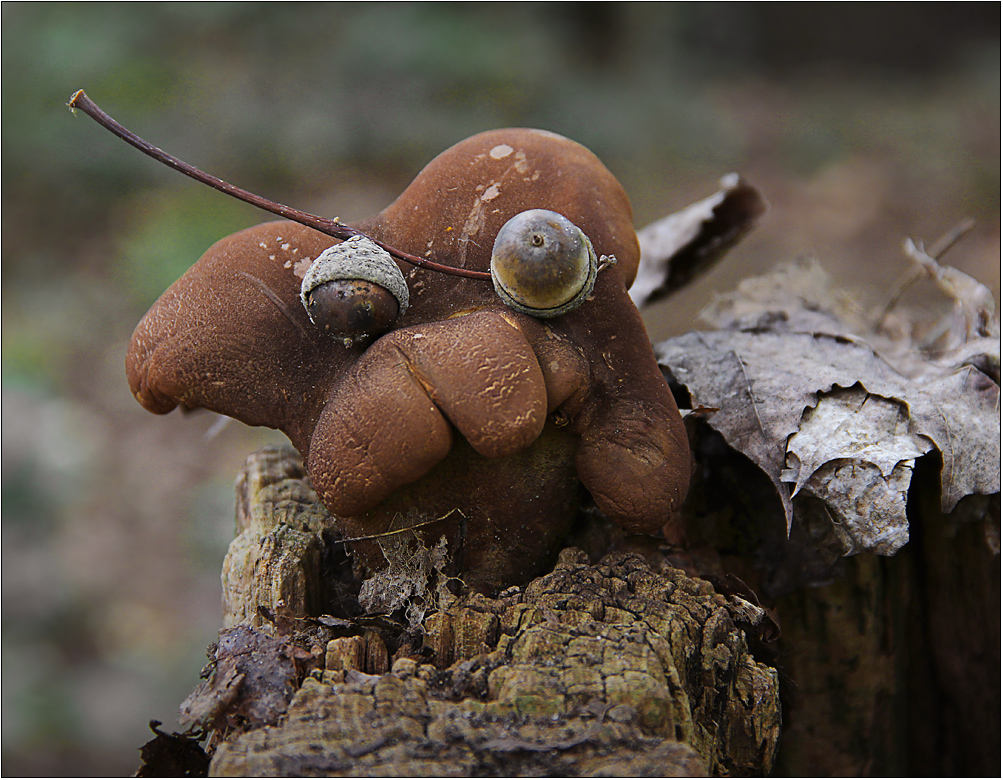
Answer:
(624, 667)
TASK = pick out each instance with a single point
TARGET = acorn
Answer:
(542, 264)
(354, 291)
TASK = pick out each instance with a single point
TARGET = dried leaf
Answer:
(867, 509)
(973, 315)
(819, 408)
(253, 681)
(678, 248)
(172, 755)
(796, 297)
(853, 424)
(855, 451)
(414, 578)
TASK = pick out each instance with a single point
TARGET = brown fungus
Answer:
(465, 409)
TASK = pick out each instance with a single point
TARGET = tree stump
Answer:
(625, 666)
(897, 660)
(848, 470)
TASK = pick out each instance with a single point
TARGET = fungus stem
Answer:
(330, 227)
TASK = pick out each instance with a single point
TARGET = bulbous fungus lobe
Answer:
(465, 404)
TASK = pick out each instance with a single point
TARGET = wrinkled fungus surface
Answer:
(467, 410)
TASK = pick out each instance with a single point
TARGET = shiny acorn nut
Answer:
(354, 290)
(542, 264)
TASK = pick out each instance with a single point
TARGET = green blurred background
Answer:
(861, 123)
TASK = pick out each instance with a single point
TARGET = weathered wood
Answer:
(890, 664)
(622, 667)
(897, 661)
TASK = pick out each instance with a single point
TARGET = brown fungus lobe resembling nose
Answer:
(470, 418)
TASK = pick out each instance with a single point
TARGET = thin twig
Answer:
(330, 227)
(916, 271)
(950, 238)
(396, 531)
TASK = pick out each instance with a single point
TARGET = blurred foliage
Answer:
(167, 228)
(283, 96)
(861, 122)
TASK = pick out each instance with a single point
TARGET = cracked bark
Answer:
(889, 666)
(625, 666)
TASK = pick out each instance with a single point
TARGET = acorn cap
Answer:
(356, 258)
